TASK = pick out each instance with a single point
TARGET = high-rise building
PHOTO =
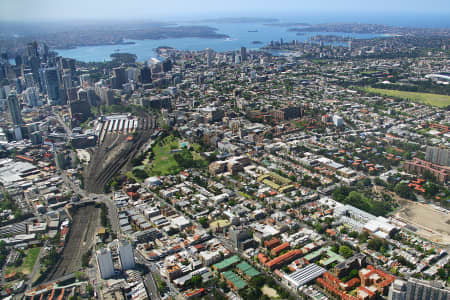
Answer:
(209, 56)
(126, 255)
(243, 53)
(85, 80)
(397, 290)
(32, 49)
(36, 138)
(29, 80)
(52, 85)
(14, 109)
(120, 77)
(82, 95)
(146, 75)
(105, 263)
(425, 290)
(35, 65)
(67, 81)
(92, 97)
(438, 156)
(32, 96)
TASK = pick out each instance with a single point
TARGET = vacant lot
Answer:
(84, 224)
(431, 224)
(432, 99)
(28, 262)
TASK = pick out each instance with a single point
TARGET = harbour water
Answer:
(240, 35)
(244, 34)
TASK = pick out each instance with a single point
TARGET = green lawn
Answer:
(426, 98)
(28, 262)
(164, 163)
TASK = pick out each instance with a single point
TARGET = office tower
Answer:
(166, 65)
(41, 83)
(131, 74)
(18, 133)
(29, 80)
(146, 75)
(438, 156)
(71, 94)
(32, 96)
(35, 65)
(45, 51)
(67, 63)
(84, 80)
(32, 49)
(14, 109)
(67, 81)
(92, 97)
(105, 263)
(18, 60)
(243, 53)
(36, 138)
(126, 255)
(19, 87)
(82, 95)
(120, 77)
(52, 85)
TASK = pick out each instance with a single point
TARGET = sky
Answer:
(57, 10)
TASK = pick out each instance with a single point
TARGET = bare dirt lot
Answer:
(84, 224)
(431, 224)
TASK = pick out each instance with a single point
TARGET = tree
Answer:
(375, 244)
(363, 236)
(402, 189)
(353, 234)
(197, 280)
(203, 221)
(345, 251)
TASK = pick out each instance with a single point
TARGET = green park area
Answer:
(167, 156)
(426, 98)
(26, 265)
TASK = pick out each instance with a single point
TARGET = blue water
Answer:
(240, 37)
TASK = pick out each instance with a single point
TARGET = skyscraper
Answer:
(243, 53)
(126, 255)
(14, 109)
(52, 85)
(32, 96)
(105, 263)
(146, 75)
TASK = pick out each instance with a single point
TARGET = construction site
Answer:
(121, 137)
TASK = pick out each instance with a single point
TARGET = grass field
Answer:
(426, 98)
(164, 162)
(28, 262)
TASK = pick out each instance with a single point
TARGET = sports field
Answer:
(426, 98)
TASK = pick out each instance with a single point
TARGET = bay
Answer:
(240, 35)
